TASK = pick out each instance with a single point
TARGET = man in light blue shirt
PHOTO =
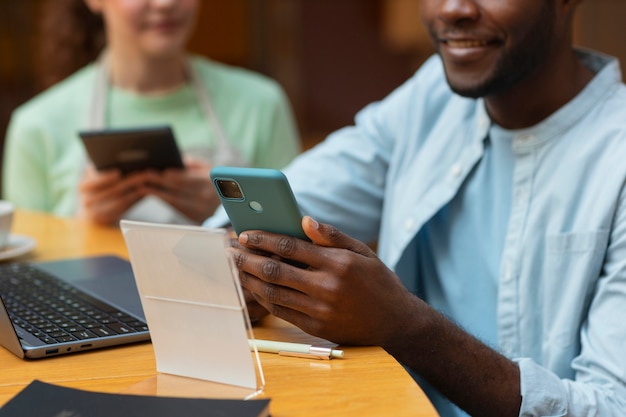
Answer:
(493, 181)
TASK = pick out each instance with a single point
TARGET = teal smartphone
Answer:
(258, 199)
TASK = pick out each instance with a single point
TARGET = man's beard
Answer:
(518, 63)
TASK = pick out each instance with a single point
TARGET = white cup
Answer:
(6, 222)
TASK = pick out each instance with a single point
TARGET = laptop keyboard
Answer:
(56, 312)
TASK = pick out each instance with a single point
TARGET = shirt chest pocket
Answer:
(573, 262)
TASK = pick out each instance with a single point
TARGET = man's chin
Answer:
(468, 91)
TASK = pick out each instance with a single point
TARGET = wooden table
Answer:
(367, 382)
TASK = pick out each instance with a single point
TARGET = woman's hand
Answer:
(189, 190)
(106, 195)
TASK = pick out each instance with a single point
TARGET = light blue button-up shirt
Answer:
(560, 262)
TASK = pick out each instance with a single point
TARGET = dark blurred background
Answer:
(331, 56)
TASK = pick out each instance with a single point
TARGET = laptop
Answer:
(59, 307)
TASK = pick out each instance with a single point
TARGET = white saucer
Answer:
(18, 245)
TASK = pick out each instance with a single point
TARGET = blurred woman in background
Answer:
(121, 64)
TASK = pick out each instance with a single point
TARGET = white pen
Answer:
(295, 349)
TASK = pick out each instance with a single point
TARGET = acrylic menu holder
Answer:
(195, 310)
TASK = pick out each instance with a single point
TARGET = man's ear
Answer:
(94, 5)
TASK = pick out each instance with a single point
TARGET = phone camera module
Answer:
(230, 189)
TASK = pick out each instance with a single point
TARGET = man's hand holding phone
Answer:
(346, 295)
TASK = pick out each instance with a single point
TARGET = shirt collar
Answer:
(608, 77)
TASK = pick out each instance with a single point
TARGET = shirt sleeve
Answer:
(342, 180)
(281, 141)
(24, 169)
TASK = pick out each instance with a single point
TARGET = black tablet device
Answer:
(132, 149)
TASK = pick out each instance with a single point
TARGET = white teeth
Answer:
(466, 43)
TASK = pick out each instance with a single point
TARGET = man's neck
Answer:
(535, 99)
(147, 75)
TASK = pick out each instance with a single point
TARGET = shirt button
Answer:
(408, 224)
(455, 170)
(483, 123)
(508, 272)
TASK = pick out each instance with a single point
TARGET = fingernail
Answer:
(243, 238)
(314, 222)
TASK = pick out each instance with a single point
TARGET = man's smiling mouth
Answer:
(465, 43)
